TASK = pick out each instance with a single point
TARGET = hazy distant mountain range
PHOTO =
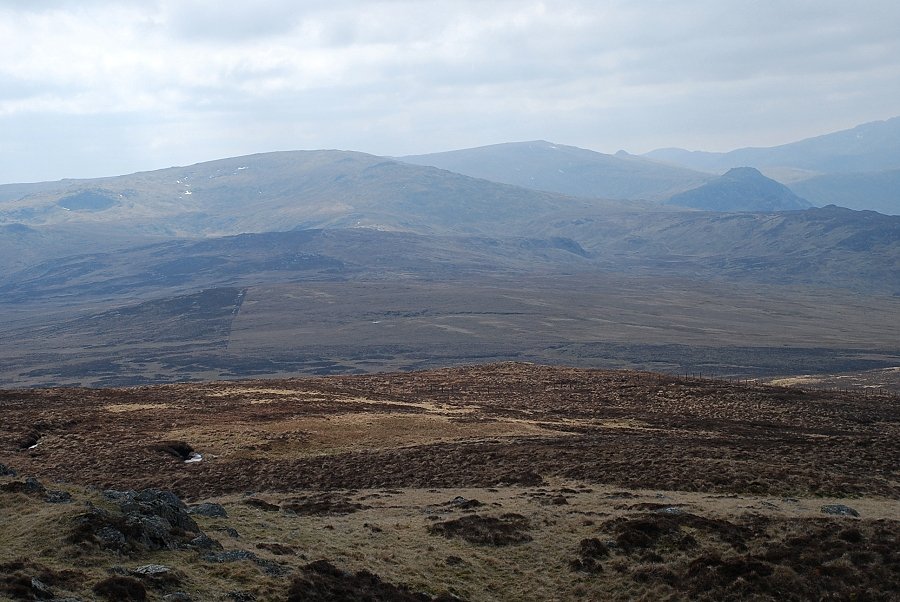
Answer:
(214, 269)
(857, 168)
(866, 148)
(567, 170)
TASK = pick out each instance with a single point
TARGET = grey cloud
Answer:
(196, 79)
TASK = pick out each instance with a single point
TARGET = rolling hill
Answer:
(569, 170)
(281, 191)
(740, 189)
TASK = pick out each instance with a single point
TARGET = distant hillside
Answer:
(876, 191)
(569, 170)
(11, 192)
(281, 191)
(22, 246)
(869, 147)
(741, 189)
(830, 246)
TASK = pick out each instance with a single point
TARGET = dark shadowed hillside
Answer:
(722, 293)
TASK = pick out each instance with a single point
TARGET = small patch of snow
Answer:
(35, 445)
(195, 457)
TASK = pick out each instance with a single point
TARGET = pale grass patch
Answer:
(233, 391)
(430, 406)
(119, 408)
(317, 435)
(795, 381)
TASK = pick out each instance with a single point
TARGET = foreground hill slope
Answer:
(509, 481)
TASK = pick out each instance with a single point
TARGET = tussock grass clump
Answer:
(321, 581)
(119, 588)
(505, 530)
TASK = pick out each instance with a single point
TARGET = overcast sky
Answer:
(94, 87)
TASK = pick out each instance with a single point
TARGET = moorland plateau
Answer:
(499, 482)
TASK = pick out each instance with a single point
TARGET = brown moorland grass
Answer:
(598, 485)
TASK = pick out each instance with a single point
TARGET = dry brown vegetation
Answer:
(508, 481)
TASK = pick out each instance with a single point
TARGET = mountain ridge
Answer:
(551, 167)
(872, 146)
(284, 190)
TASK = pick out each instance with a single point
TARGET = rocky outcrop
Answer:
(143, 520)
(209, 509)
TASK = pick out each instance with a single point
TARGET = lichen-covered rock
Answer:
(267, 566)
(839, 510)
(40, 589)
(163, 504)
(151, 570)
(58, 497)
(209, 509)
(146, 520)
(205, 542)
(29, 486)
(230, 556)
